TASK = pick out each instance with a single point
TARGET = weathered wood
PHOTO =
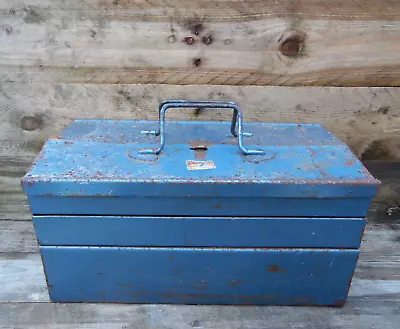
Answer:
(211, 9)
(361, 312)
(13, 202)
(22, 277)
(17, 236)
(368, 119)
(353, 43)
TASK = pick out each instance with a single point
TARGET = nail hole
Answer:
(171, 39)
(207, 39)
(29, 123)
(197, 62)
(189, 40)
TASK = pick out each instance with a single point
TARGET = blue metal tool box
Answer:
(198, 212)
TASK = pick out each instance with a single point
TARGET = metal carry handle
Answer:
(209, 104)
(237, 118)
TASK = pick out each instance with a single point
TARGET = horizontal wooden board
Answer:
(291, 43)
(17, 236)
(378, 308)
(22, 277)
(212, 9)
(368, 119)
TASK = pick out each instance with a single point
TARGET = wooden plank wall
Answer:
(333, 62)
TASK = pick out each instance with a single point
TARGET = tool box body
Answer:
(199, 222)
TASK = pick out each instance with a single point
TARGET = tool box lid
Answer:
(197, 159)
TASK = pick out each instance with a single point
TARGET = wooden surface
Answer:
(368, 119)
(291, 43)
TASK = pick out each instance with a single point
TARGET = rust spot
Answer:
(217, 206)
(339, 302)
(303, 299)
(349, 162)
(199, 147)
(189, 40)
(208, 39)
(199, 143)
(236, 282)
(199, 153)
(275, 268)
(197, 62)
(251, 299)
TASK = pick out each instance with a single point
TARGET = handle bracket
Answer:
(237, 119)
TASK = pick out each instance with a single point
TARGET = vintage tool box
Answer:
(198, 212)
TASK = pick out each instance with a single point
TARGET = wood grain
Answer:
(368, 119)
(361, 312)
(211, 9)
(22, 277)
(17, 236)
(354, 43)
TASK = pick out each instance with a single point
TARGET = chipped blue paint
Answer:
(96, 158)
(116, 225)
(199, 231)
(200, 275)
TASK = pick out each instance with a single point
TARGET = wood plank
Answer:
(207, 9)
(368, 119)
(22, 277)
(359, 313)
(17, 236)
(143, 42)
